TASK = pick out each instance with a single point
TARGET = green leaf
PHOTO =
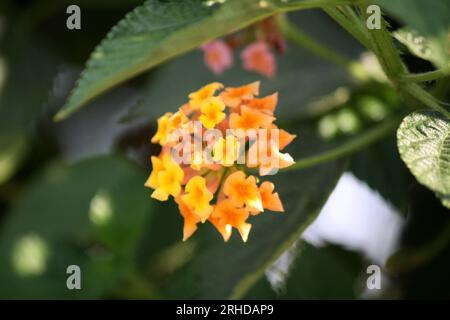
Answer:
(383, 170)
(159, 30)
(412, 257)
(90, 214)
(424, 145)
(416, 44)
(228, 270)
(324, 273)
(13, 147)
(19, 112)
(430, 18)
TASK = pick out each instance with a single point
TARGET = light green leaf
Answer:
(228, 270)
(160, 30)
(430, 18)
(424, 145)
(416, 44)
(90, 214)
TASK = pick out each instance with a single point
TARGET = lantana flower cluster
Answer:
(226, 136)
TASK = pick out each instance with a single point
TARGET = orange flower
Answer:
(270, 200)
(233, 97)
(284, 138)
(266, 104)
(243, 191)
(198, 197)
(268, 158)
(190, 218)
(226, 215)
(250, 119)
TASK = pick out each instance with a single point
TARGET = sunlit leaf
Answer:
(424, 145)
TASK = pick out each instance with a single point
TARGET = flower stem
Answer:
(350, 147)
(426, 76)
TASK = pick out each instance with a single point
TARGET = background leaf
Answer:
(227, 270)
(313, 275)
(430, 18)
(81, 215)
(19, 112)
(424, 145)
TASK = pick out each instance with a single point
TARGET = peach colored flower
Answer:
(217, 56)
(258, 57)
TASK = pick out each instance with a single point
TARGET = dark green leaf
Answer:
(382, 169)
(90, 214)
(227, 270)
(324, 273)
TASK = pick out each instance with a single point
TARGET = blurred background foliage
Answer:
(72, 192)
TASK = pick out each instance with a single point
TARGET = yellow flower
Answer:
(158, 166)
(177, 120)
(198, 197)
(212, 112)
(226, 151)
(168, 180)
(163, 129)
(206, 92)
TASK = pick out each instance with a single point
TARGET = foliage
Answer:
(57, 210)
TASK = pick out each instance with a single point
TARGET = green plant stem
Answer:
(303, 40)
(392, 64)
(353, 27)
(383, 47)
(426, 76)
(355, 144)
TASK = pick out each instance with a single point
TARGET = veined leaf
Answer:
(431, 19)
(424, 145)
(159, 30)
